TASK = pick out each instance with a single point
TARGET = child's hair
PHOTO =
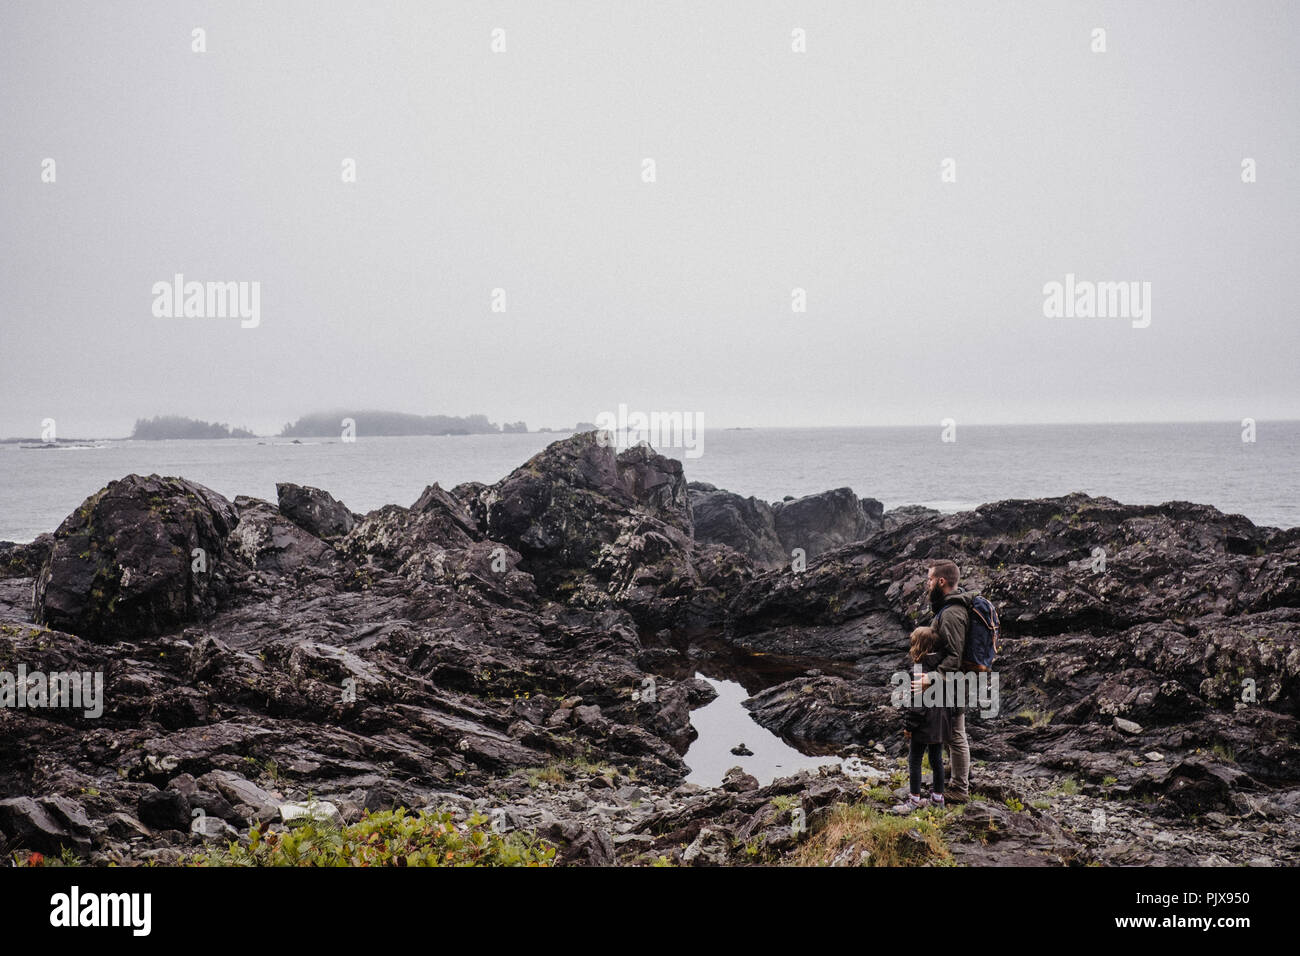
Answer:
(924, 640)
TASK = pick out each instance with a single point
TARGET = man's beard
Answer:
(936, 597)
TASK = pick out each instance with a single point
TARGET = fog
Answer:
(921, 172)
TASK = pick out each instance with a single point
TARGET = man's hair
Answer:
(946, 570)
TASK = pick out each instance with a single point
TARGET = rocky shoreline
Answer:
(493, 647)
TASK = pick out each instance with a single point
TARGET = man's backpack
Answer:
(983, 630)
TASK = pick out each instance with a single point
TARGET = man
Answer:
(951, 615)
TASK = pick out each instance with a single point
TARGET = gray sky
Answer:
(522, 170)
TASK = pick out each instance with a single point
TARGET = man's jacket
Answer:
(950, 624)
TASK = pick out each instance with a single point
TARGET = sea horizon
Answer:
(1201, 462)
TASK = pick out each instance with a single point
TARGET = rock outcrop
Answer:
(142, 556)
(596, 529)
(507, 646)
(745, 524)
(316, 512)
(822, 522)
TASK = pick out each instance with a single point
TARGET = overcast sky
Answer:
(523, 170)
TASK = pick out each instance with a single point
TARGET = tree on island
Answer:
(378, 423)
(162, 427)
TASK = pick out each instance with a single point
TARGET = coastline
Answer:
(492, 641)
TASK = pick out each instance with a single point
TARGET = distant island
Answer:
(321, 425)
(391, 424)
(163, 427)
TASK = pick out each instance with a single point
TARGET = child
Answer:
(927, 728)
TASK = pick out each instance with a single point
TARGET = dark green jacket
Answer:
(951, 627)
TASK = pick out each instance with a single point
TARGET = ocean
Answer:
(1133, 463)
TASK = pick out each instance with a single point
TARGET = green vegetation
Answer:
(268, 768)
(1015, 805)
(390, 838)
(329, 424)
(878, 838)
(1037, 718)
(551, 773)
(1224, 752)
(1109, 781)
(176, 426)
(1041, 804)
(1068, 786)
(66, 858)
(560, 772)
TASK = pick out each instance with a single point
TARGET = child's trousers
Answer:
(936, 764)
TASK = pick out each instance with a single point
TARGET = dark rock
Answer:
(165, 810)
(821, 522)
(436, 653)
(316, 512)
(597, 529)
(46, 825)
(745, 524)
(25, 560)
(270, 543)
(903, 515)
(123, 565)
(583, 846)
(737, 781)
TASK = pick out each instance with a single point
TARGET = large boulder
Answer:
(437, 541)
(315, 511)
(140, 557)
(595, 527)
(746, 524)
(905, 514)
(821, 522)
(47, 825)
(269, 542)
(392, 535)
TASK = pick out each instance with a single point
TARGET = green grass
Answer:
(880, 838)
(1037, 718)
(551, 773)
(390, 838)
(560, 772)
(268, 768)
(1068, 786)
(1224, 752)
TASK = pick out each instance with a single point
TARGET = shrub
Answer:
(390, 838)
(1068, 786)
